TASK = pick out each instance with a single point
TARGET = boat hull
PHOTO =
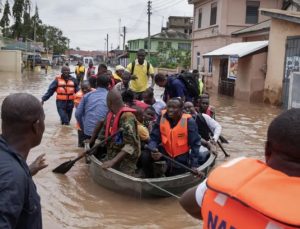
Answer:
(151, 187)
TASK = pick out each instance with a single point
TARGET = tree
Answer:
(4, 22)
(27, 25)
(17, 11)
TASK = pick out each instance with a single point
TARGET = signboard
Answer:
(232, 67)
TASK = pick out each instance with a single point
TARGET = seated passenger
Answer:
(128, 99)
(176, 135)
(124, 149)
(148, 98)
(204, 107)
(208, 128)
(149, 118)
(142, 129)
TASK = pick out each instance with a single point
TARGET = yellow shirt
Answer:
(116, 77)
(140, 71)
(80, 69)
(143, 132)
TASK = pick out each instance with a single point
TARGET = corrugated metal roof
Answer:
(263, 26)
(238, 49)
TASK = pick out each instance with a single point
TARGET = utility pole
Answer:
(124, 38)
(149, 15)
(107, 46)
(34, 39)
(119, 33)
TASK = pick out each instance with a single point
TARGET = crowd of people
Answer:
(107, 102)
(181, 126)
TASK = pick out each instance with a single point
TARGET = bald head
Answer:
(114, 101)
(21, 108)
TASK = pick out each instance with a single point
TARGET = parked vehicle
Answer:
(45, 62)
(87, 60)
(36, 57)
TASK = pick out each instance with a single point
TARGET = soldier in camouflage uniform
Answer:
(123, 150)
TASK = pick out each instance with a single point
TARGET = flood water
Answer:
(75, 201)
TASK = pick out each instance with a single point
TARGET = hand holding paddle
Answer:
(66, 166)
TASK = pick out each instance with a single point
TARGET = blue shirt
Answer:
(20, 206)
(53, 86)
(175, 88)
(194, 141)
(91, 109)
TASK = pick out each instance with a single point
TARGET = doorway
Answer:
(226, 86)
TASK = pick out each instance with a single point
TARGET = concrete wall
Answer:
(10, 61)
(279, 32)
(249, 84)
(231, 16)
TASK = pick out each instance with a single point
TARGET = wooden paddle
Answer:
(220, 145)
(66, 166)
(176, 162)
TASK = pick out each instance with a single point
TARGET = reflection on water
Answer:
(75, 201)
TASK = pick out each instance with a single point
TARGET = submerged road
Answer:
(75, 201)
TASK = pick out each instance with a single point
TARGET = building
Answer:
(161, 46)
(239, 70)
(216, 20)
(180, 24)
(283, 56)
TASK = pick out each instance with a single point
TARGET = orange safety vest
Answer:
(247, 194)
(175, 140)
(65, 90)
(78, 97)
(112, 128)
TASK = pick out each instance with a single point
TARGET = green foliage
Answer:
(168, 57)
(4, 22)
(26, 27)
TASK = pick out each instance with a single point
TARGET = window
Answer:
(213, 14)
(252, 12)
(160, 45)
(199, 18)
(184, 46)
(146, 45)
(168, 44)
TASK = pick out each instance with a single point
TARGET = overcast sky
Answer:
(86, 23)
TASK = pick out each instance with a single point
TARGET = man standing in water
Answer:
(248, 193)
(123, 151)
(141, 70)
(65, 87)
(22, 129)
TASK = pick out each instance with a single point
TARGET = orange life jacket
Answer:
(247, 194)
(78, 97)
(174, 140)
(65, 90)
(112, 128)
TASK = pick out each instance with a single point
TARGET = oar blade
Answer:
(64, 167)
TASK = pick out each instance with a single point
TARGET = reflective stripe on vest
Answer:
(249, 194)
(65, 90)
(112, 127)
(174, 140)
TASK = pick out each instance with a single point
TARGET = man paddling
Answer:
(248, 193)
(123, 151)
(22, 129)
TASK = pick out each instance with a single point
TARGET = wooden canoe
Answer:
(139, 187)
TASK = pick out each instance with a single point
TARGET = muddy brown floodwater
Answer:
(75, 201)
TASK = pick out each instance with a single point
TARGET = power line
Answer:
(168, 6)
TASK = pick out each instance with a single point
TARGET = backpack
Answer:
(191, 83)
(133, 65)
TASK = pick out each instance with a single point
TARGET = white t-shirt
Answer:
(200, 192)
(158, 106)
